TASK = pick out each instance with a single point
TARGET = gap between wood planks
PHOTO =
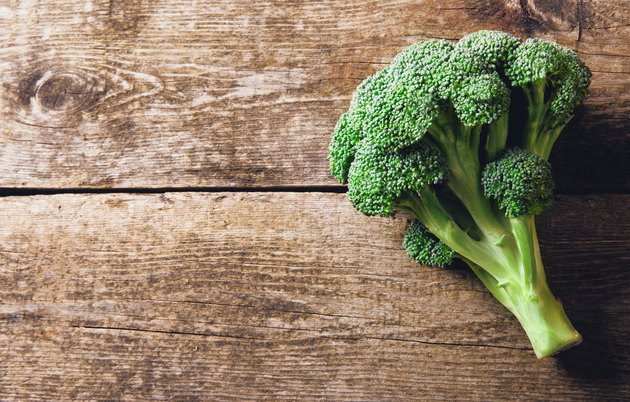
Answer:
(30, 191)
(11, 192)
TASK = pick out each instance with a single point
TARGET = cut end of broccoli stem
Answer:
(574, 340)
(538, 311)
(546, 324)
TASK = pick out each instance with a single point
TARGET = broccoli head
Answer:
(457, 135)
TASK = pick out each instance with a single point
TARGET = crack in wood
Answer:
(168, 332)
(337, 337)
(526, 17)
(266, 308)
(456, 344)
(579, 14)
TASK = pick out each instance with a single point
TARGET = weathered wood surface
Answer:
(173, 93)
(288, 296)
(274, 295)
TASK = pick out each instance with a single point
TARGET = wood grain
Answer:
(275, 295)
(171, 93)
(288, 296)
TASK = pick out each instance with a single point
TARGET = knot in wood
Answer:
(64, 91)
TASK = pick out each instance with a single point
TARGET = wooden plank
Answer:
(171, 93)
(288, 296)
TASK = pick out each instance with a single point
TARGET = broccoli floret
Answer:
(481, 99)
(520, 183)
(554, 81)
(491, 47)
(399, 117)
(426, 249)
(379, 180)
(429, 136)
(420, 66)
(349, 129)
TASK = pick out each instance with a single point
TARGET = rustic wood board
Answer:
(172, 93)
(278, 295)
(288, 296)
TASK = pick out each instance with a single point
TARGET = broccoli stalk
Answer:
(431, 135)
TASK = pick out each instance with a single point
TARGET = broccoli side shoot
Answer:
(520, 182)
(554, 81)
(426, 249)
(457, 135)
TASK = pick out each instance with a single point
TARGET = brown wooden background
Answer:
(169, 229)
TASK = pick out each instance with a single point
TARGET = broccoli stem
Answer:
(496, 137)
(536, 111)
(427, 208)
(460, 146)
(542, 316)
(524, 231)
(526, 294)
(490, 282)
(548, 138)
(542, 127)
(507, 256)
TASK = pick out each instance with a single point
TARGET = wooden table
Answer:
(169, 228)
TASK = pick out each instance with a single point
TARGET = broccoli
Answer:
(458, 135)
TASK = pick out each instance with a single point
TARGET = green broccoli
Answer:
(458, 135)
